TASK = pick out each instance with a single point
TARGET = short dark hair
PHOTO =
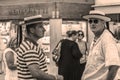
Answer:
(70, 33)
(30, 26)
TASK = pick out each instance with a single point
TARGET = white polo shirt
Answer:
(102, 54)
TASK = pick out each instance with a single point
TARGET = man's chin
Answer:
(41, 36)
(93, 30)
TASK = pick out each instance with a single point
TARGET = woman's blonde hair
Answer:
(12, 43)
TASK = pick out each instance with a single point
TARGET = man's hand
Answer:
(59, 77)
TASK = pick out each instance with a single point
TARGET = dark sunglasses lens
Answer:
(90, 21)
(80, 34)
(95, 21)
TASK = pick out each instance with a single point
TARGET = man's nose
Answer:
(44, 29)
(92, 24)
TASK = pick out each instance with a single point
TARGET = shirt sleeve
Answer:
(31, 57)
(110, 51)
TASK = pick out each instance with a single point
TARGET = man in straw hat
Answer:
(31, 60)
(103, 59)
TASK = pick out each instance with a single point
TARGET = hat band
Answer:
(33, 20)
(98, 15)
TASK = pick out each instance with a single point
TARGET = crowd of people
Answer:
(25, 60)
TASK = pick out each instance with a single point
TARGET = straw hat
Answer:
(98, 15)
(32, 20)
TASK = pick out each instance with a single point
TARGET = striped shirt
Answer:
(29, 53)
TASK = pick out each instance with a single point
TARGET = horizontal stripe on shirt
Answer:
(29, 54)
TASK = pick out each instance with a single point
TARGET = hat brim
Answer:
(23, 23)
(97, 16)
(29, 23)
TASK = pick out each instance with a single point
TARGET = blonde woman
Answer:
(10, 61)
(10, 55)
(83, 48)
(117, 37)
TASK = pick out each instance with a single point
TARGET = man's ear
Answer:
(32, 30)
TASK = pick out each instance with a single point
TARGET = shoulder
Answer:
(74, 43)
(107, 36)
(7, 50)
(68, 42)
(27, 45)
(10, 50)
(108, 41)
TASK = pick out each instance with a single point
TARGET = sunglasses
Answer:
(95, 21)
(80, 34)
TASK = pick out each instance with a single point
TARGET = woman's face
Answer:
(80, 36)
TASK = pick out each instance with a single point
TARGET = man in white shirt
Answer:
(103, 60)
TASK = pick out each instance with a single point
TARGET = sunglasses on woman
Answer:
(80, 34)
(95, 21)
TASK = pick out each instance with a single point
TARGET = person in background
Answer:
(31, 61)
(83, 48)
(69, 62)
(117, 37)
(103, 59)
(10, 55)
(10, 60)
(2, 48)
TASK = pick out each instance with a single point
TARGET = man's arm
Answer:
(40, 75)
(112, 72)
(32, 62)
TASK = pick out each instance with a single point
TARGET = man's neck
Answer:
(79, 40)
(98, 34)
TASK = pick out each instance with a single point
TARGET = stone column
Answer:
(55, 36)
